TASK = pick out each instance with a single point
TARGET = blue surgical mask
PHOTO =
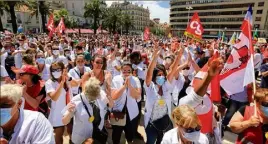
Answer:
(193, 136)
(5, 115)
(264, 110)
(40, 61)
(160, 80)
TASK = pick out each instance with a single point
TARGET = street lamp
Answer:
(189, 8)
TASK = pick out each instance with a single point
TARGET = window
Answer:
(259, 11)
(257, 26)
(258, 19)
(260, 4)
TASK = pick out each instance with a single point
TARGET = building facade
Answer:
(219, 15)
(140, 16)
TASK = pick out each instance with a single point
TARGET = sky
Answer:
(158, 9)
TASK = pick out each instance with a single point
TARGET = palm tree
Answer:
(127, 22)
(2, 6)
(94, 10)
(113, 19)
(44, 9)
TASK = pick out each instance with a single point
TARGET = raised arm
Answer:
(152, 65)
(175, 64)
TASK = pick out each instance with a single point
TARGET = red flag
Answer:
(214, 87)
(194, 28)
(238, 71)
(146, 34)
(50, 24)
(99, 29)
(61, 27)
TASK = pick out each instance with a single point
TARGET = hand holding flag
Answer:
(214, 66)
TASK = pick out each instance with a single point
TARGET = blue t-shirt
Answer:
(264, 80)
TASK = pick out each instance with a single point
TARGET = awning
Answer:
(86, 31)
(70, 31)
(102, 31)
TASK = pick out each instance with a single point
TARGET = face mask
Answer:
(160, 80)
(185, 72)
(5, 114)
(40, 61)
(264, 110)
(193, 136)
(56, 52)
(80, 66)
(134, 66)
(56, 74)
(118, 58)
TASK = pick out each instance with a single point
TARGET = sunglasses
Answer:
(265, 104)
(187, 68)
(56, 70)
(22, 74)
(190, 130)
(99, 62)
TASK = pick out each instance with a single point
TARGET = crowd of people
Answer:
(87, 84)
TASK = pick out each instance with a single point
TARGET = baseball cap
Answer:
(29, 69)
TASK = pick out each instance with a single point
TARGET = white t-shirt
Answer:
(55, 115)
(119, 103)
(114, 64)
(3, 74)
(74, 73)
(3, 58)
(142, 70)
(257, 61)
(46, 73)
(171, 137)
(51, 59)
(32, 127)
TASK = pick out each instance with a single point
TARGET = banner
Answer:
(61, 27)
(194, 29)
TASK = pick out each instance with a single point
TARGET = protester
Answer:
(126, 90)
(43, 68)
(187, 128)
(257, 62)
(250, 122)
(264, 72)
(19, 125)
(56, 57)
(59, 91)
(88, 109)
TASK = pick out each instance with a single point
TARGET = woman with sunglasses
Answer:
(158, 101)
(251, 122)
(59, 91)
(126, 90)
(187, 130)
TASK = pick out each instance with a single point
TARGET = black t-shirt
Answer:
(264, 126)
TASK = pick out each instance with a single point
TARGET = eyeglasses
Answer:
(56, 70)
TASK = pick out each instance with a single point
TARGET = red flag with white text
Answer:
(61, 27)
(50, 25)
(194, 29)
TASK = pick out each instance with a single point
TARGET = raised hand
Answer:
(71, 107)
(215, 66)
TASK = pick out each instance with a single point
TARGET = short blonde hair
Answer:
(11, 91)
(260, 94)
(92, 87)
(185, 115)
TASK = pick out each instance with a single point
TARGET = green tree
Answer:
(44, 9)
(2, 8)
(127, 22)
(113, 19)
(95, 10)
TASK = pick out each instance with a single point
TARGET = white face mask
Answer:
(56, 74)
(193, 136)
(56, 52)
(80, 66)
(118, 58)
(185, 72)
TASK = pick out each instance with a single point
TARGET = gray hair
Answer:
(11, 91)
(92, 88)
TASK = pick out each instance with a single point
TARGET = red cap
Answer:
(29, 69)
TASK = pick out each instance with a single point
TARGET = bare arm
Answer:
(152, 65)
(55, 95)
(118, 93)
(134, 92)
(33, 102)
(171, 74)
(264, 74)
